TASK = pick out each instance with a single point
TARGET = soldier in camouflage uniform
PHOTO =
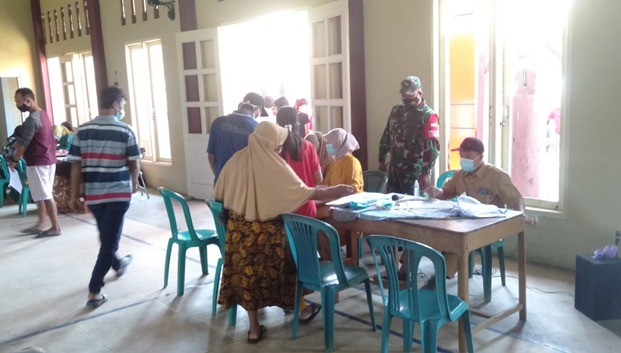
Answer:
(411, 138)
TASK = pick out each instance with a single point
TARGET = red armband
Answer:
(432, 128)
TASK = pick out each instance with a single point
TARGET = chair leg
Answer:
(181, 270)
(232, 314)
(216, 286)
(296, 310)
(429, 336)
(501, 264)
(385, 330)
(167, 265)
(328, 299)
(408, 331)
(465, 320)
(486, 259)
(367, 288)
(202, 250)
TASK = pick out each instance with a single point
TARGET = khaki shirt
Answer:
(488, 184)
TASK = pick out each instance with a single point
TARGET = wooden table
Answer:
(457, 236)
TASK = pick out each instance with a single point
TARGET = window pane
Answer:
(320, 84)
(68, 71)
(321, 119)
(334, 36)
(91, 87)
(336, 81)
(336, 117)
(319, 38)
(194, 120)
(189, 56)
(191, 88)
(534, 56)
(211, 114)
(160, 105)
(208, 54)
(210, 86)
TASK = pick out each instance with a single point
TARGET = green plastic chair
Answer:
(485, 253)
(4, 179)
(432, 309)
(216, 208)
(190, 238)
(375, 181)
(327, 277)
(24, 196)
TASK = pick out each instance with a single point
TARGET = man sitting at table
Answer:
(484, 182)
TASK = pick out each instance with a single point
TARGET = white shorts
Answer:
(41, 181)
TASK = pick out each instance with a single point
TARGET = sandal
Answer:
(95, 303)
(260, 337)
(315, 309)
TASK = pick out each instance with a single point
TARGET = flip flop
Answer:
(315, 310)
(96, 303)
(47, 233)
(31, 230)
(260, 337)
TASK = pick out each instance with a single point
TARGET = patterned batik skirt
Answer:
(258, 266)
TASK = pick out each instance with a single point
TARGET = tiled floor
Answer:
(43, 293)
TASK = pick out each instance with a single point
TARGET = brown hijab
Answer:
(317, 139)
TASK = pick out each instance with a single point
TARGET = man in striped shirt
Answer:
(105, 159)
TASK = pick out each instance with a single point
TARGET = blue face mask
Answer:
(467, 165)
(120, 115)
(330, 149)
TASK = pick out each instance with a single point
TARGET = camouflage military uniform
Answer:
(411, 137)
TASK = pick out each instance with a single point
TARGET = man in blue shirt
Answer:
(229, 133)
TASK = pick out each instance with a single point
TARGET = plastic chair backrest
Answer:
(375, 181)
(302, 233)
(444, 177)
(413, 252)
(21, 170)
(216, 208)
(5, 177)
(168, 196)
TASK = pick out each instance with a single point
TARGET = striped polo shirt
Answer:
(105, 145)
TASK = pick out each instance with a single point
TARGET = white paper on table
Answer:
(14, 181)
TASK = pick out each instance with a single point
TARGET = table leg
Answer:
(522, 273)
(463, 292)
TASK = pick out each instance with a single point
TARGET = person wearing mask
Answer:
(479, 180)
(410, 139)
(346, 169)
(105, 164)
(229, 133)
(319, 142)
(38, 147)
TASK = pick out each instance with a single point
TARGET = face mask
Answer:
(120, 115)
(467, 165)
(23, 108)
(330, 149)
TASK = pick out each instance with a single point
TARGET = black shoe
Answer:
(125, 261)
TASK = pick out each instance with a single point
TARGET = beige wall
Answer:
(398, 42)
(17, 51)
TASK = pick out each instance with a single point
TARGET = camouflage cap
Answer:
(409, 85)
